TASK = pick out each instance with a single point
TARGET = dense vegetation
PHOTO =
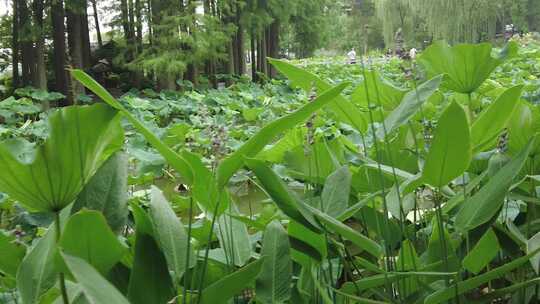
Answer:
(271, 194)
(165, 44)
(162, 167)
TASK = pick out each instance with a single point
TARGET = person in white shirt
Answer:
(412, 53)
(352, 56)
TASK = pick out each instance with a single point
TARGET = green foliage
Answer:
(469, 284)
(12, 254)
(274, 281)
(491, 122)
(467, 66)
(224, 289)
(234, 238)
(341, 207)
(345, 111)
(95, 287)
(450, 152)
(409, 106)
(172, 157)
(106, 192)
(482, 253)
(284, 198)
(170, 235)
(37, 271)
(336, 191)
(482, 206)
(258, 142)
(472, 21)
(150, 280)
(87, 236)
(51, 176)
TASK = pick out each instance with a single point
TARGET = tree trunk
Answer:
(209, 67)
(138, 25)
(40, 76)
(210, 71)
(230, 62)
(165, 81)
(263, 53)
(28, 62)
(59, 51)
(273, 46)
(150, 23)
(131, 15)
(240, 51)
(253, 58)
(125, 19)
(74, 22)
(85, 36)
(96, 24)
(259, 68)
(128, 22)
(193, 74)
(15, 45)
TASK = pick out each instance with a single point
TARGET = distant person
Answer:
(412, 53)
(509, 31)
(352, 56)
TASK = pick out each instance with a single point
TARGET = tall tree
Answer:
(85, 36)
(139, 24)
(308, 27)
(27, 45)
(40, 74)
(96, 23)
(15, 44)
(533, 15)
(74, 12)
(472, 20)
(126, 18)
(240, 41)
(59, 51)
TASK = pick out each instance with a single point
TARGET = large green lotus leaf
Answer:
(50, 177)
(467, 66)
(175, 160)
(107, 192)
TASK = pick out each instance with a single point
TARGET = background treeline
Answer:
(170, 44)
